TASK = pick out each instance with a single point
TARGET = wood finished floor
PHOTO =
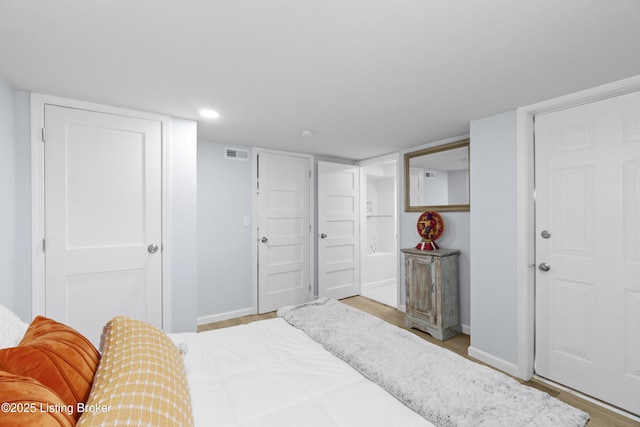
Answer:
(600, 417)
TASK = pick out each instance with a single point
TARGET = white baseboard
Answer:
(212, 318)
(379, 283)
(466, 329)
(494, 361)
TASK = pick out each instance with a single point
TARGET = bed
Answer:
(269, 373)
(286, 371)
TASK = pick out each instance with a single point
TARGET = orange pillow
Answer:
(58, 357)
(26, 402)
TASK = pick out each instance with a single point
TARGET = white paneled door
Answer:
(102, 218)
(284, 231)
(338, 230)
(588, 249)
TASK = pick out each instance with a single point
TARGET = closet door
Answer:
(339, 230)
(284, 213)
(102, 218)
(588, 248)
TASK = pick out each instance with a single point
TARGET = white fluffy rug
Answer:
(443, 387)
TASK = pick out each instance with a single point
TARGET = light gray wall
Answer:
(493, 236)
(455, 236)
(225, 197)
(8, 194)
(15, 191)
(22, 114)
(183, 181)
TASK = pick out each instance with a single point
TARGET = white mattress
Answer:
(268, 373)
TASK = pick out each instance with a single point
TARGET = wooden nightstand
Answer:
(431, 284)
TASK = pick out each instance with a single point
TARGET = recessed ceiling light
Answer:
(209, 114)
(306, 132)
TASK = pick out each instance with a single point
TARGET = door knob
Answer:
(544, 266)
(323, 236)
(264, 240)
(152, 248)
(545, 234)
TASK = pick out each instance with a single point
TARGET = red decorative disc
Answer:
(430, 226)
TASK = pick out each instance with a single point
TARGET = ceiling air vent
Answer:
(236, 154)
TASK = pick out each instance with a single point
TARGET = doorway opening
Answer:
(379, 236)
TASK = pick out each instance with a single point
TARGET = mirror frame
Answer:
(419, 153)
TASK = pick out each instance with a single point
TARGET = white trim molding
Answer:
(493, 361)
(37, 205)
(525, 249)
(212, 318)
(525, 117)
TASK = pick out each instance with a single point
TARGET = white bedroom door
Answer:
(588, 249)
(338, 230)
(284, 213)
(102, 218)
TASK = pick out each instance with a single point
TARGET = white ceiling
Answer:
(366, 77)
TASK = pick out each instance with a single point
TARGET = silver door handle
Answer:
(264, 240)
(152, 248)
(544, 266)
(323, 236)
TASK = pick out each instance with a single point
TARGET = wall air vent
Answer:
(236, 154)
(429, 175)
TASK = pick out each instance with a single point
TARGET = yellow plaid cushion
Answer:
(140, 380)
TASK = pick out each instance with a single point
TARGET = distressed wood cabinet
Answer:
(431, 285)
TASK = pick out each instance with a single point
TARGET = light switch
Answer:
(247, 221)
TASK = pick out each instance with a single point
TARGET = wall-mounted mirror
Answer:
(437, 178)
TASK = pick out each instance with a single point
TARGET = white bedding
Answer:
(268, 373)
(12, 328)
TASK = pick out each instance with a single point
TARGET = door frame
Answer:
(525, 205)
(363, 216)
(38, 285)
(254, 229)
